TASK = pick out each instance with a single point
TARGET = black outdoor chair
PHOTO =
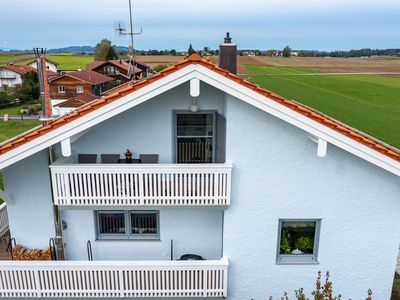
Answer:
(148, 158)
(87, 158)
(109, 158)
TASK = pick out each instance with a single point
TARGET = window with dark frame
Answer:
(128, 224)
(298, 241)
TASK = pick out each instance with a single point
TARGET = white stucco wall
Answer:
(31, 216)
(277, 174)
(193, 230)
(147, 128)
(9, 78)
(49, 66)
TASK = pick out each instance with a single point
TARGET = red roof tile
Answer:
(196, 59)
(88, 76)
(20, 69)
(116, 62)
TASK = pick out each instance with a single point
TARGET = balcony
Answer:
(141, 184)
(79, 279)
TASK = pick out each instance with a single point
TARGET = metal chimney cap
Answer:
(227, 39)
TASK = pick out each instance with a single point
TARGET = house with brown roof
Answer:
(11, 75)
(120, 69)
(76, 87)
(196, 183)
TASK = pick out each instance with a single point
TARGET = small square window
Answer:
(144, 224)
(61, 89)
(111, 223)
(79, 89)
(298, 241)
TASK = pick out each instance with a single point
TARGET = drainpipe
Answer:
(46, 120)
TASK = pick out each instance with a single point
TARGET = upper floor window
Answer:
(128, 224)
(109, 70)
(79, 89)
(298, 241)
(61, 89)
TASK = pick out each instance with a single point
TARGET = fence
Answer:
(114, 278)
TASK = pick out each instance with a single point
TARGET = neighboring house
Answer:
(69, 105)
(68, 86)
(50, 65)
(118, 69)
(266, 190)
(11, 75)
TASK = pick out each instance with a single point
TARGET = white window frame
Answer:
(299, 258)
(61, 89)
(128, 235)
(80, 89)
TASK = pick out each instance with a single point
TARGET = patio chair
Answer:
(148, 158)
(87, 158)
(109, 158)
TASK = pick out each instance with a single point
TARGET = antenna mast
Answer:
(131, 33)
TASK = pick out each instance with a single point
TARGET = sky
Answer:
(253, 24)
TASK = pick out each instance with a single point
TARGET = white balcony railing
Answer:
(3, 219)
(141, 184)
(114, 278)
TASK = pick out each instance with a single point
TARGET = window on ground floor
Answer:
(298, 241)
(128, 224)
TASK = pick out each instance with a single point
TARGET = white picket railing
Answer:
(3, 219)
(141, 184)
(114, 278)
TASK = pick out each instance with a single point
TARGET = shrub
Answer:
(160, 67)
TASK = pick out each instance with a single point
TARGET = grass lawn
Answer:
(70, 61)
(12, 110)
(370, 103)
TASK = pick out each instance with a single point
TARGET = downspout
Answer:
(46, 120)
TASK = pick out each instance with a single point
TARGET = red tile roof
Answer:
(83, 98)
(20, 69)
(196, 59)
(116, 62)
(88, 76)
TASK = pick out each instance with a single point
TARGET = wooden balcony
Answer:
(141, 184)
(81, 279)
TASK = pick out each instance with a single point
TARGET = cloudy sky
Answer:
(263, 24)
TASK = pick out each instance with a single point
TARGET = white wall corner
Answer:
(7, 198)
(322, 147)
(195, 87)
(66, 147)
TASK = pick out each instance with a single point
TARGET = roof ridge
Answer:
(313, 114)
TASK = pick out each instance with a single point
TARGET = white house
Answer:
(267, 191)
(50, 65)
(11, 75)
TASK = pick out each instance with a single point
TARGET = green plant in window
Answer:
(304, 243)
(285, 245)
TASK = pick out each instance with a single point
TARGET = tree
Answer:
(191, 50)
(286, 51)
(173, 52)
(105, 51)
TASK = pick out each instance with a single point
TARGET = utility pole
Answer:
(46, 119)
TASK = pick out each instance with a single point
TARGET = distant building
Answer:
(76, 86)
(50, 65)
(11, 75)
(67, 106)
(294, 53)
(118, 69)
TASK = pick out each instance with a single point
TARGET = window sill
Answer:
(298, 262)
(106, 239)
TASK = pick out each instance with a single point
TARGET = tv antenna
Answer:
(122, 31)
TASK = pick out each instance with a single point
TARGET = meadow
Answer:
(370, 103)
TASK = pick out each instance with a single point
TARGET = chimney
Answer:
(227, 55)
(43, 83)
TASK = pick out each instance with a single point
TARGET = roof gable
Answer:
(87, 76)
(295, 113)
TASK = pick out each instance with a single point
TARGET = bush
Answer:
(160, 67)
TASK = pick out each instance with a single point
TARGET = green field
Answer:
(67, 61)
(370, 103)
